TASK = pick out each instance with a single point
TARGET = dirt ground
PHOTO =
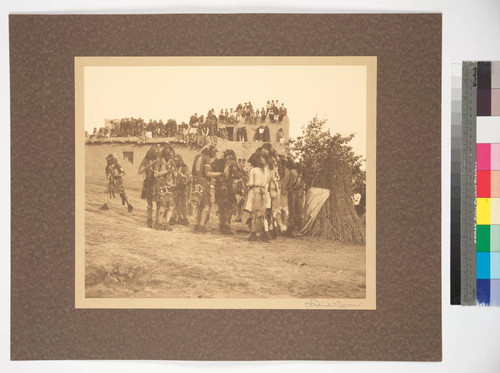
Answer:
(125, 259)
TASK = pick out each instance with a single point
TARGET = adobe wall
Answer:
(95, 156)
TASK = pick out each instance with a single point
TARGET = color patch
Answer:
(495, 74)
(483, 292)
(484, 102)
(483, 266)
(488, 130)
(483, 184)
(495, 157)
(483, 239)
(495, 292)
(495, 238)
(483, 89)
(495, 102)
(484, 75)
(483, 211)
(483, 157)
(495, 183)
(495, 210)
(495, 266)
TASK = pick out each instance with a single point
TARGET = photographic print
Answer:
(225, 182)
(163, 227)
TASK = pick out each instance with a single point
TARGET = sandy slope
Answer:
(126, 259)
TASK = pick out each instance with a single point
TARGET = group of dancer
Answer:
(267, 193)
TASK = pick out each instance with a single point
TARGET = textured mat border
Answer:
(407, 322)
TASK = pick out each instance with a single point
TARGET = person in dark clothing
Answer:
(224, 192)
(266, 136)
(162, 128)
(263, 115)
(200, 195)
(146, 168)
(250, 111)
(282, 113)
(259, 134)
(280, 136)
(231, 136)
(213, 130)
(296, 194)
(242, 134)
(272, 114)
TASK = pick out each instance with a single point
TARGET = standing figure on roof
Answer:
(213, 130)
(164, 188)
(193, 133)
(282, 113)
(185, 133)
(146, 168)
(272, 112)
(115, 174)
(205, 130)
(200, 195)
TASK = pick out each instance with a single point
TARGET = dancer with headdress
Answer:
(258, 196)
(200, 195)
(181, 189)
(273, 211)
(164, 188)
(115, 174)
(146, 168)
(225, 196)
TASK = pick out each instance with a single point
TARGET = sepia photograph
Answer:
(225, 182)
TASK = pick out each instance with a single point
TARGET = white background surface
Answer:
(471, 31)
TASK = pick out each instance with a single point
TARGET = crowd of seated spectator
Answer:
(200, 129)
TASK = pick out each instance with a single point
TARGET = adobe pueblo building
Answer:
(130, 151)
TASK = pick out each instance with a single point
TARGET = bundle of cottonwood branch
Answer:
(337, 219)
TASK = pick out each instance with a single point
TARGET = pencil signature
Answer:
(315, 303)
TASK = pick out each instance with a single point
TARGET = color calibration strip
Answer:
(456, 146)
(488, 184)
(480, 177)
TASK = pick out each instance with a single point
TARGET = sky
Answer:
(337, 93)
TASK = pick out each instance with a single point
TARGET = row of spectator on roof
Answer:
(273, 109)
(205, 130)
